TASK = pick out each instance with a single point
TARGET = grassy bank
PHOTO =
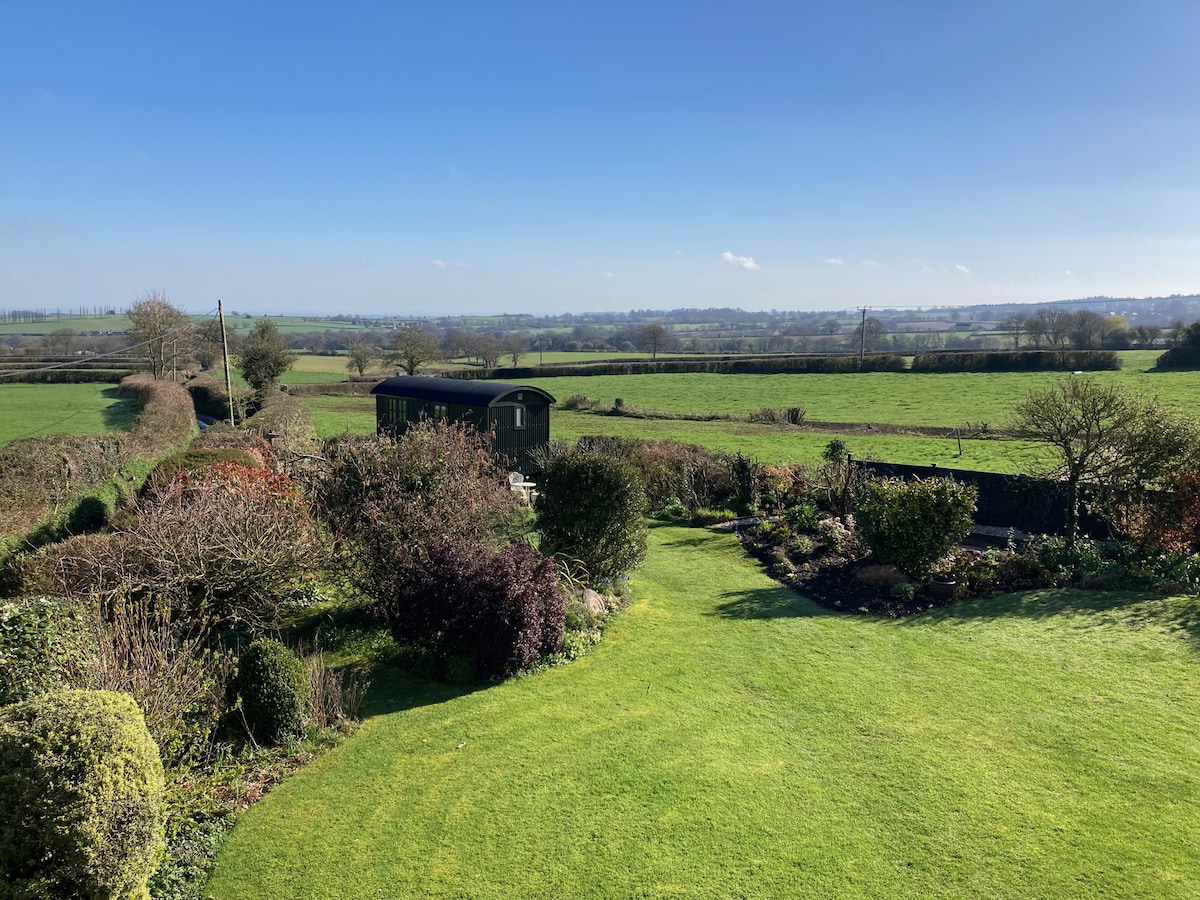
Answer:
(730, 739)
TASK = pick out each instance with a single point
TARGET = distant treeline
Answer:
(772, 365)
(1018, 361)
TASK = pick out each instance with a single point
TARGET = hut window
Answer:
(518, 417)
(439, 410)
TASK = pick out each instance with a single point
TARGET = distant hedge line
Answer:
(70, 376)
(772, 365)
(1018, 361)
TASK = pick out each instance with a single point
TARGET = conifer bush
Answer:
(81, 785)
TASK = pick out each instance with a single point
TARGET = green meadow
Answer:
(730, 739)
(27, 410)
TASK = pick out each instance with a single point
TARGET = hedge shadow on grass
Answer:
(121, 412)
(768, 603)
(396, 690)
(1135, 608)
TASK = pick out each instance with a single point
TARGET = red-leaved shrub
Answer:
(499, 611)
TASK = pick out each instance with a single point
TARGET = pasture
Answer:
(27, 410)
(731, 739)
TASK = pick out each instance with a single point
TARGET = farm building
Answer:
(516, 416)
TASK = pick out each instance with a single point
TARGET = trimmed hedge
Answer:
(913, 524)
(81, 787)
(767, 365)
(1179, 358)
(1018, 361)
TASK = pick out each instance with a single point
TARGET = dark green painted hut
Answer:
(516, 416)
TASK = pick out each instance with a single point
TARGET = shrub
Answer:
(388, 501)
(273, 687)
(227, 540)
(196, 458)
(37, 635)
(165, 662)
(592, 508)
(837, 535)
(913, 524)
(578, 401)
(81, 789)
(289, 423)
(803, 517)
(483, 614)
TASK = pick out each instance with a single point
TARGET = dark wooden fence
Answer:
(1033, 505)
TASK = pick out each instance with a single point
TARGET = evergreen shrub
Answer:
(913, 524)
(81, 809)
(274, 688)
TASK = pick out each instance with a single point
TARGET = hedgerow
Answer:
(1018, 361)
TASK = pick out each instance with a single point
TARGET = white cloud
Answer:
(608, 274)
(740, 262)
(440, 263)
(961, 268)
(835, 261)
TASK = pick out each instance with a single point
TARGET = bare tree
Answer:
(515, 345)
(158, 327)
(655, 338)
(362, 354)
(1058, 325)
(1015, 326)
(1086, 329)
(412, 348)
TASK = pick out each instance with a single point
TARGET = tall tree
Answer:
(158, 327)
(1086, 329)
(1015, 326)
(412, 348)
(263, 357)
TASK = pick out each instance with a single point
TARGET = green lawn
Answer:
(33, 409)
(729, 739)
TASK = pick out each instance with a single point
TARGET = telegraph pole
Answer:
(862, 337)
(225, 359)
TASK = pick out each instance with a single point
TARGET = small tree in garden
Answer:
(1118, 443)
(263, 356)
(591, 508)
(838, 480)
(913, 524)
(493, 613)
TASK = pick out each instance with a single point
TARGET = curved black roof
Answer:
(468, 392)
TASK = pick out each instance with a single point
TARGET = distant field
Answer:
(27, 410)
(884, 397)
(333, 416)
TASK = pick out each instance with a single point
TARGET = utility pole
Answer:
(225, 359)
(862, 337)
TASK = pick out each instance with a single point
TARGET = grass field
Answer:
(885, 397)
(333, 416)
(729, 739)
(31, 409)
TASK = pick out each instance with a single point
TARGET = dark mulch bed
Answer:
(831, 579)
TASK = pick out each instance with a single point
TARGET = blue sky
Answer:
(460, 157)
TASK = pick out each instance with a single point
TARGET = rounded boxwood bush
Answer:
(274, 689)
(81, 809)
